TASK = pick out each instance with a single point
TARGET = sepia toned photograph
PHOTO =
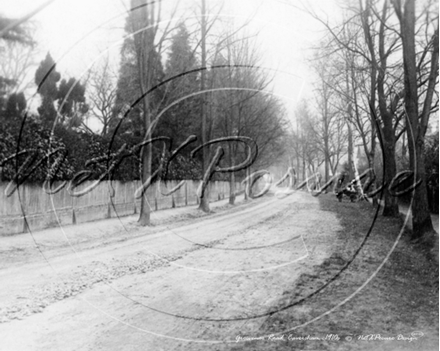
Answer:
(219, 175)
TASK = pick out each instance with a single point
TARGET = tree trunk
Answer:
(326, 166)
(372, 97)
(421, 219)
(204, 201)
(145, 210)
(371, 181)
(350, 151)
(326, 145)
(231, 177)
(387, 129)
(146, 157)
(247, 174)
(391, 208)
(145, 44)
(348, 76)
(304, 165)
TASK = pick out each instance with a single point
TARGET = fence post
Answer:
(134, 197)
(25, 222)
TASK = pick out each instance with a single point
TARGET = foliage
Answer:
(138, 50)
(241, 103)
(46, 78)
(14, 109)
(71, 102)
(35, 141)
(5, 85)
(181, 119)
(70, 95)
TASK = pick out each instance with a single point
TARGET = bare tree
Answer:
(400, 53)
(102, 94)
(243, 105)
(308, 154)
(212, 43)
(330, 131)
(148, 41)
(17, 61)
(371, 35)
(204, 201)
(417, 121)
(388, 99)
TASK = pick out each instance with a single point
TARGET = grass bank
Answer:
(377, 291)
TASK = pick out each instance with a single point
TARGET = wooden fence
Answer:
(31, 206)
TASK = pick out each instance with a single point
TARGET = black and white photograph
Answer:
(219, 175)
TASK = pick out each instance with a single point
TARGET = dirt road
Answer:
(192, 285)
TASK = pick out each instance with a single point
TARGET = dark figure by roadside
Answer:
(348, 190)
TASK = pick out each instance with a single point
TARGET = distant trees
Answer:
(301, 141)
(18, 59)
(25, 134)
(71, 102)
(321, 132)
(17, 45)
(182, 103)
(241, 104)
(70, 95)
(15, 33)
(179, 101)
(311, 139)
(22, 136)
(330, 132)
(46, 79)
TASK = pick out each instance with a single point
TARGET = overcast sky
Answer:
(76, 32)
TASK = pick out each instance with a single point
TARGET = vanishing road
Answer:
(195, 284)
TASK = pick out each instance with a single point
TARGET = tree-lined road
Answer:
(202, 280)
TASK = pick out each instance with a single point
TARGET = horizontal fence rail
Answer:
(30, 206)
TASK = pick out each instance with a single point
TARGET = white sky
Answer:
(77, 31)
